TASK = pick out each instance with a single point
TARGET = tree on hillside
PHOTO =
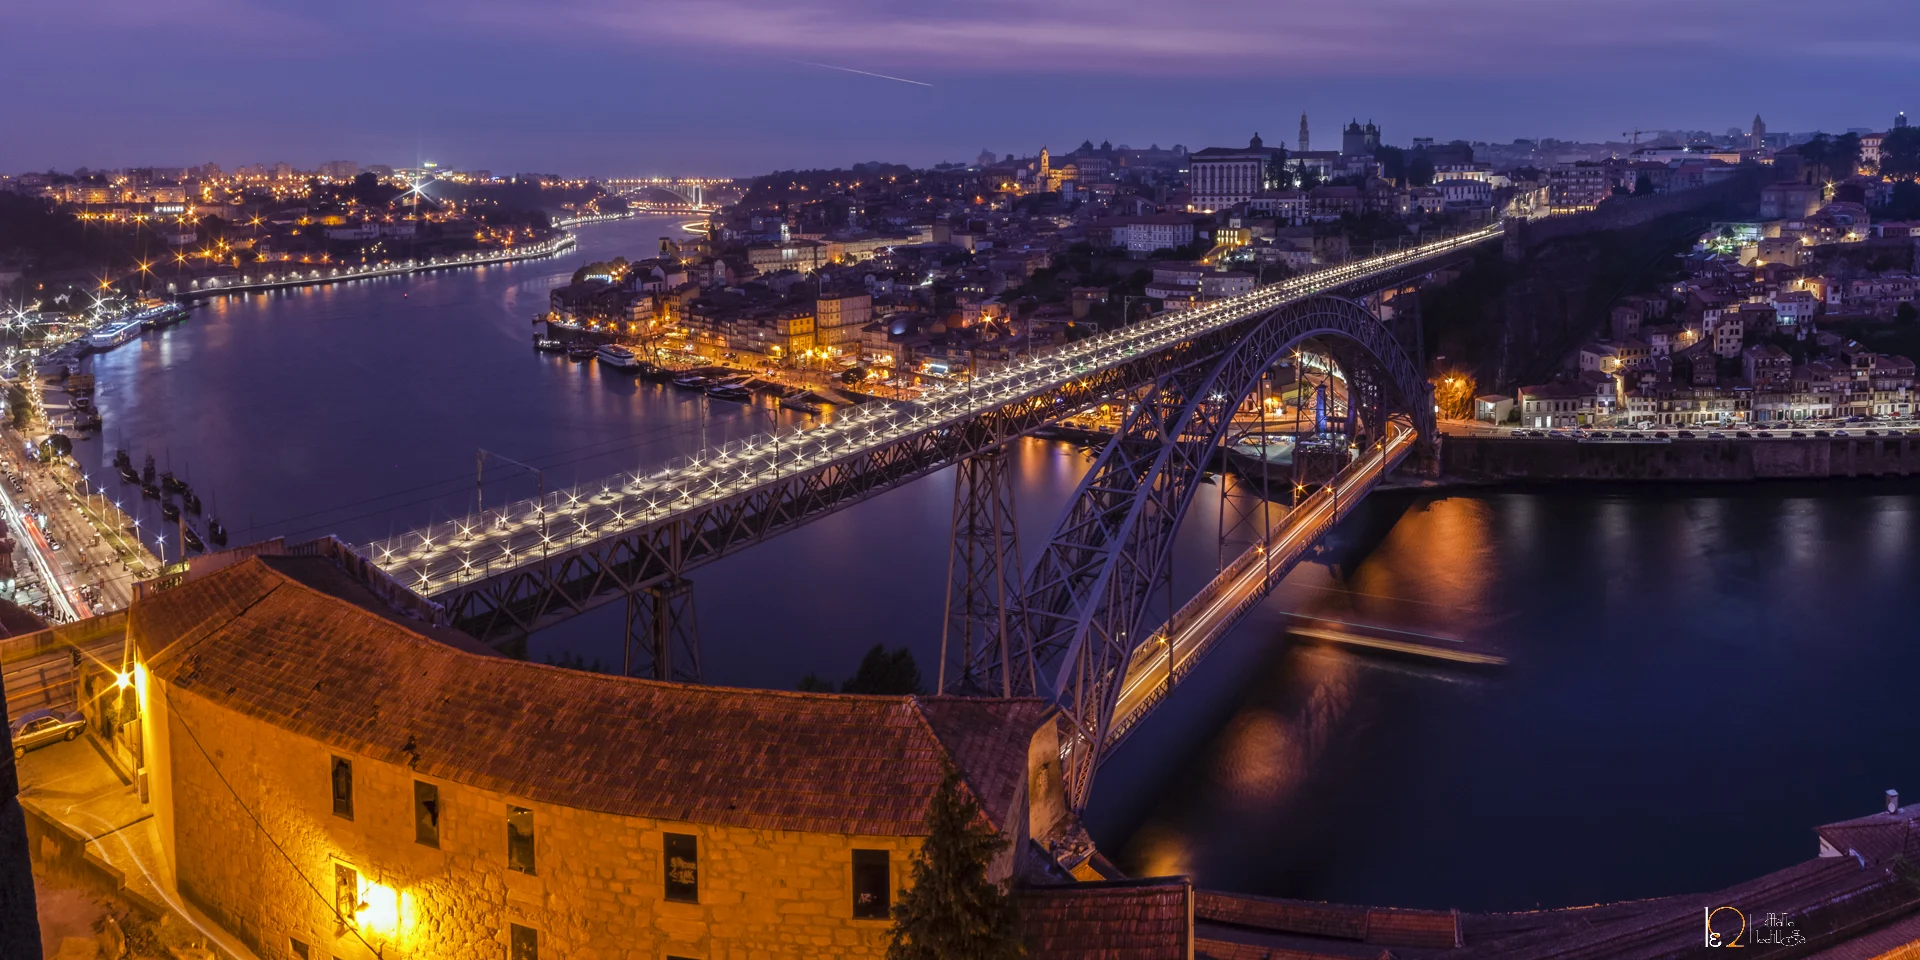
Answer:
(1844, 161)
(1419, 169)
(952, 911)
(1278, 177)
(1393, 164)
(1900, 152)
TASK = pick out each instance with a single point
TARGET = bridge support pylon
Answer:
(983, 581)
(662, 635)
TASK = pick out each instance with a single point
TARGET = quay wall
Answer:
(1553, 458)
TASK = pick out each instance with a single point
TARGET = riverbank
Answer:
(216, 286)
(1680, 460)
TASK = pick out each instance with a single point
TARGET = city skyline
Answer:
(745, 88)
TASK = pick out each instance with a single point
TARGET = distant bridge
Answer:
(693, 191)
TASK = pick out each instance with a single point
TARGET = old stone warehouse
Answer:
(331, 778)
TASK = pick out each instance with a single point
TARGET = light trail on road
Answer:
(1148, 680)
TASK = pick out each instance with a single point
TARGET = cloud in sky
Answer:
(603, 86)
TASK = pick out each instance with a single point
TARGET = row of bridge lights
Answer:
(948, 400)
(382, 269)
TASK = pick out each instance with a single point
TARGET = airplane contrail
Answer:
(864, 73)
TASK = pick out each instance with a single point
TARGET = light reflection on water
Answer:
(1659, 639)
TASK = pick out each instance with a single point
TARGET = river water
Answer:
(1698, 677)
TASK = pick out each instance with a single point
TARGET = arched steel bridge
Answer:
(507, 572)
(1086, 630)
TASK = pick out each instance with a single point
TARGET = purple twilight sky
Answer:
(612, 87)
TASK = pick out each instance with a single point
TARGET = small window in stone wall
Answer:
(523, 943)
(426, 813)
(682, 867)
(342, 787)
(299, 949)
(520, 839)
(872, 885)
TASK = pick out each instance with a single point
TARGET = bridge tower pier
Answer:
(983, 581)
(662, 635)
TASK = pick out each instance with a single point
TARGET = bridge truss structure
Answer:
(1086, 608)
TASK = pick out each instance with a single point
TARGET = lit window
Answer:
(343, 788)
(682, 862)
(520, 840)
(872, 885)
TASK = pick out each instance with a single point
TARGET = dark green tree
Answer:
(814, 683)
(1393, 163)
(1642, 185)
(1844, 161)
(952, 911)
(1278, 177)
(1907, 313)
(1815, 154)
(1420, 169)
(1900, 152)
(884, 671)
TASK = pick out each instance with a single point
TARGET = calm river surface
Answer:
(1698, 677)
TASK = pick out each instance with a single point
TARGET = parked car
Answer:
(1742, 434)
(1842, 433)
(37, 728)
(1685, 434)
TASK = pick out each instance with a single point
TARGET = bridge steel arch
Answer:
(1086, 601)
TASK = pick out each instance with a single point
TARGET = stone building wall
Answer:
(598, 891)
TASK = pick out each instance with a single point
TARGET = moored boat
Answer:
(192, 539)
(737, 393)
(216, 532)
(580, 351)
(169, 510)
(616, 356)
(149, 490)
(691, 381)
(129, 474)
(545, 345)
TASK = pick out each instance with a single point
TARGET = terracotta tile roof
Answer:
(1878, 837)
(1381, 925)
(1228, 950)
(1123, 920)
(268, 638)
